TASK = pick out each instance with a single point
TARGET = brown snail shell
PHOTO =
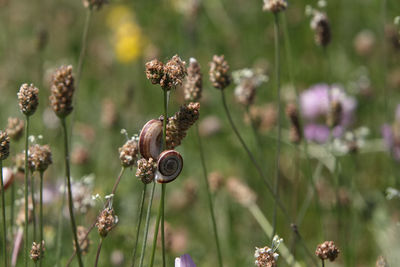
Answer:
(8, 177)
(150, 139)
(169, 166)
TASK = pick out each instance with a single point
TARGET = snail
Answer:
(8, 177)
(150, 139)
(169, 166)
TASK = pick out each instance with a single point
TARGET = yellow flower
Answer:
(118, 15)
(128, 48)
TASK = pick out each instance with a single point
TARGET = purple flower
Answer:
(391, 135)
(315, 104)
(184, 261)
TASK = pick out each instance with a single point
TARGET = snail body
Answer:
(169, 166)
(150, 139)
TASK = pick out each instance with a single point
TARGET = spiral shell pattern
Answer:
(169, 166)
(150, 139)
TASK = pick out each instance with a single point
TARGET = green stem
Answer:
(138, 224)
(70, 201)
(323, 263)
(26, 244)
(12, 208)
(153, 250)
(278, 142)
(33, 207)
(98, 252)
(41, 218)
(209, 196)
(146, 228)
(3, 207)
(59, 229)
(163, 187)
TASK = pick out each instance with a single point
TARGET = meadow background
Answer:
(38, 36)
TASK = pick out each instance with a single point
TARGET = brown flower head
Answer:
(128, 153)
(265, 257)
(15, 128)
(28, 98)
(62, 91)
(20, 162)
(94, 4)
(37, 251)
(83, 240)
(194, 82)
(154, 71)
(275, 6)
(335, 114)
(327, 250)
(174, 73)
(320, 24)
(219, 72)
(106, 221)
(216, 181)
(146, 170)
(295, 127)
(39, 157)
(178, 125)
(4, 145)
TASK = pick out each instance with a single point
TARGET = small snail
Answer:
(150, 139)
(169, 166)
(8, 177)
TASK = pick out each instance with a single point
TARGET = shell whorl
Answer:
(169, 166)
(150, 139)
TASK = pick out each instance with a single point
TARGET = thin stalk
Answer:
(278, 142)
(70, 201)
(138, 224)
(163, 187)
(26, 244)
(98, 252)
(3, 207)
(153, 250)
(209, 196)
(323, 263)
(255, 133)
(121, 173)
(59, 228)
(146, 228)
(41, 218)
(33, 207)
(12, 207)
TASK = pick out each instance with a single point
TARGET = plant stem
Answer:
(33, 207)
(146, 228)
(209, 196)
(59, 228)
(278, 142)
(12, 208)
(153, 250)
(139, 223)
(323, 263)
(3, 207)
(163, 187)
(98, 252)
(70, 201)
(41, 218)
(26, 244)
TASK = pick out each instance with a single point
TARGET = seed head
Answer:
(334, 114)
(240, 192)
(20, 162)
(83, 242)
(4, 145)
(219, 72)
(146, 170)
(62, 91)
(320, 24)
(94, 4)
(154, 71)
(36, 252)
(39, 157)
(128, 153)
(178, 125)
(106, 221)
(28, 97)
(327, 250)
(265, 257)
(295, 127)
(275, 6)
(194, 81)
(15, 128)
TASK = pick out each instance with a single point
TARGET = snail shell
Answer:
(150, 139)
(169, 166)
(8, 177)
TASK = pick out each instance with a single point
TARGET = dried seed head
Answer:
(20, 162)
(320, 24)
(194, 82)
(83, 242)
(94, 4)
(28, 97)
(15, 128)
(219, 72)
(4, 145)
(295, 128)
(335, 114)
(62, 91)
(154, 71)
(275, 6)
(39, 157)
(106, 221)
(327, 250)
(216, 181)
(36, 252)
(80, 155)
(263, 117)
(146, 170)
(265, 257)
(174, 73)
(128, 153)
(381, 262)
(178, 125)
(240, 192)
